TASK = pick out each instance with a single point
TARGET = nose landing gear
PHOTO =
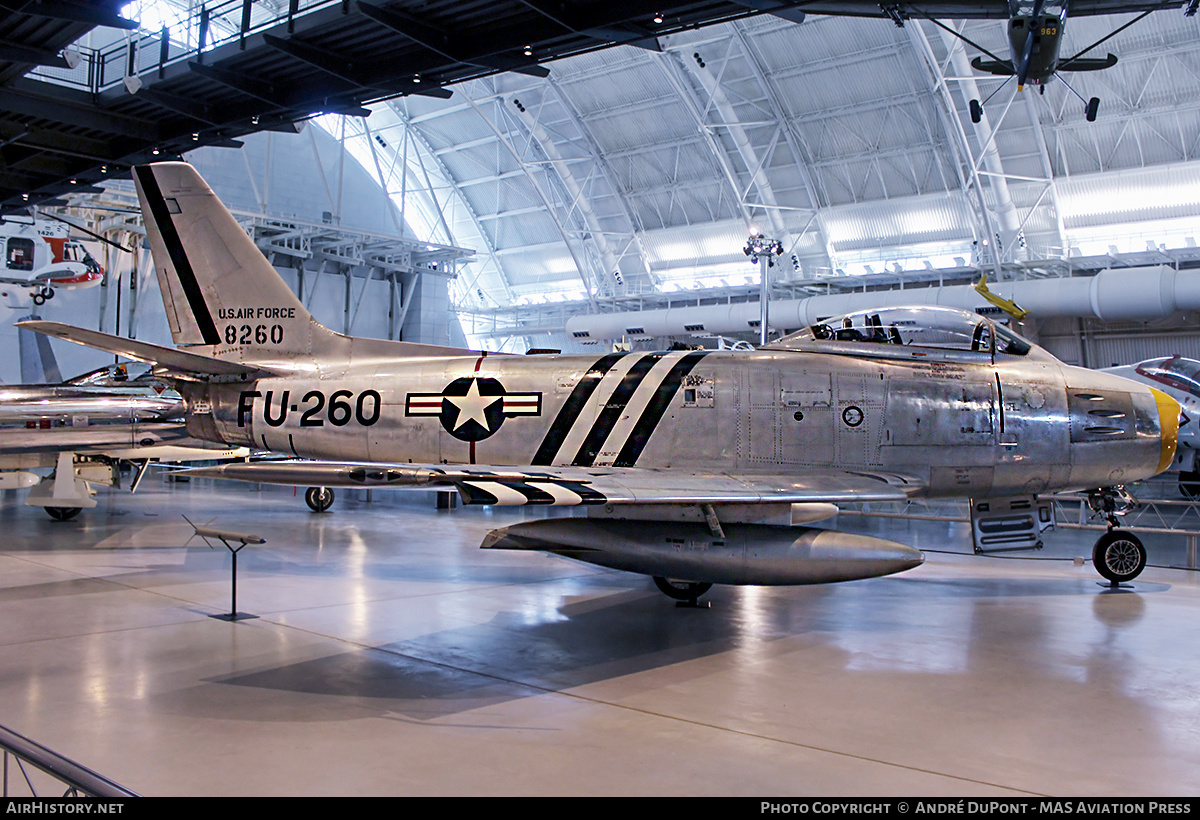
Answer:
(1118, 555)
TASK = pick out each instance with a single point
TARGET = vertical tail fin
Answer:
(217, 286)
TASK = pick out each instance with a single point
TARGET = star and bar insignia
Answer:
(471, 408)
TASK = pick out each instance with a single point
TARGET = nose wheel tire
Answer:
(681, 590)
(318, 499)
(1119, 556)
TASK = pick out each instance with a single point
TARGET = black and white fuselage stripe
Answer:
(573, 407)
(613, 411)
(656, 407)
(622, 397)
(579, 415)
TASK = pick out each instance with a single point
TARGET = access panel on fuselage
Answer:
(806, 418)
(944, 413)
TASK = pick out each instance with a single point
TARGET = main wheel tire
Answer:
(976, 112)
(1093, 106)
(1119, 556)
(318, 499)
(681, 590)
(63, 513)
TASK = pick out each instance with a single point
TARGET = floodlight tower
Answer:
(759, 248)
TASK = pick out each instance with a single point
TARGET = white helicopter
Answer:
(41, 256)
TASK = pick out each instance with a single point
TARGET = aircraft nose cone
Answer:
(1168, 425)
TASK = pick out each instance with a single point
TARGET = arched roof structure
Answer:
(630, 174)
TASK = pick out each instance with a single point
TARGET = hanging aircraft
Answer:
(41, 257)
(1035, 32)
(700, 466)
(84, 428)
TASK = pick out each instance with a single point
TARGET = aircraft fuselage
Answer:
(961, 424)
(1035, 35)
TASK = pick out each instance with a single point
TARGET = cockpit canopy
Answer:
(925, 328)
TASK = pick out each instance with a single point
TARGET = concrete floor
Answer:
(392, 657)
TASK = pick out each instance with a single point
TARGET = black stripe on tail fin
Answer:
(217, 286)
(160, 211)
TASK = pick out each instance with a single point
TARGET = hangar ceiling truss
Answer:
(72, 117)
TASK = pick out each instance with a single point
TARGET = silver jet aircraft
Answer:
(696, 467)
(83, 429)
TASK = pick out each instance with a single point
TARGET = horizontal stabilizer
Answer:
(1088, 63)
(998, 67)
(177, 361)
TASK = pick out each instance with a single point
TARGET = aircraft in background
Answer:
(695, 467)
(1035, 32)
(41, 257)
(84, 428)
(1179, 378)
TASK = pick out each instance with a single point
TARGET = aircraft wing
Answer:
(169, 357)
(94, 438)
(1088, 63)
(1003, 68)
(571, 486)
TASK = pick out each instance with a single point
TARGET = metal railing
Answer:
(21, 754)
(206, 27)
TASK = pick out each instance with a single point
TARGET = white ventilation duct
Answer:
(1125, 294)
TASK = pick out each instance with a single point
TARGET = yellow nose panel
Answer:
(1168, 421)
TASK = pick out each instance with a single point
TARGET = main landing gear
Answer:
(684, 593)
(63, 513)
(318, 499)
(1090, 110)
(42, 294)
(1118, 555)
